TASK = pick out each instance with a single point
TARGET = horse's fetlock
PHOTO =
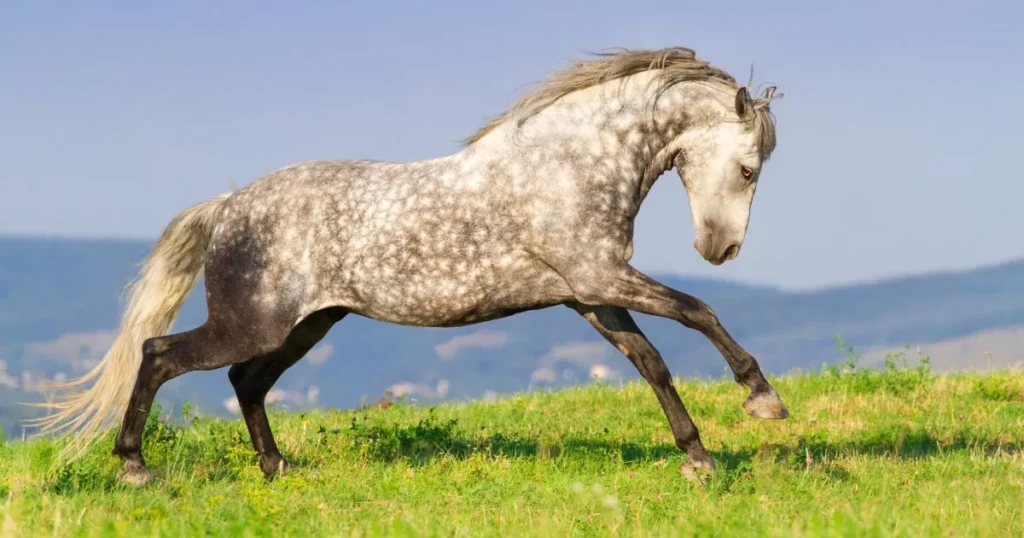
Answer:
(707, 315)
(273, 465)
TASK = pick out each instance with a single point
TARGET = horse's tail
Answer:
(168, 275)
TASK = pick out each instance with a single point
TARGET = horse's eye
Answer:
(747, 173)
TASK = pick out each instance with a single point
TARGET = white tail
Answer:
(168, 275)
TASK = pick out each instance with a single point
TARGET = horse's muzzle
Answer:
(716, 252)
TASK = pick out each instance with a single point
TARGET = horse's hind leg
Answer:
(207, 347)
(618, 327)
(253, 379)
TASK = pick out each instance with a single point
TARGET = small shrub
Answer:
(424, 440)
(896, 377)
(997, 389)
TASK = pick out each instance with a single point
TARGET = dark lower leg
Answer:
(154, 371)
(618, 327)
(252, 381)
(129, 439)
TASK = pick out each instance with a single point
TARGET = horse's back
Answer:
(379, 239)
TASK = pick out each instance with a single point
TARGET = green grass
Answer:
(897, 452)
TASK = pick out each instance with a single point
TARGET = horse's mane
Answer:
(674, 65)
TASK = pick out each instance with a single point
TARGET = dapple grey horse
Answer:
(536, 210)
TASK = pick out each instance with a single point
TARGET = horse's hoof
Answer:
(698, 470)
(273, 467)
(135, 475)
(766, 405)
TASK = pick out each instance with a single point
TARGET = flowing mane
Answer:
(674, 65)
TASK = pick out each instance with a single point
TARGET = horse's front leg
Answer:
(618, 327)
(625, 287)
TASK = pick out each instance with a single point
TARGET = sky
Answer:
(900, 129)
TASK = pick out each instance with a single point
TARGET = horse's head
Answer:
(719, 165)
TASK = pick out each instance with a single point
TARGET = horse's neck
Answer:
(619, 128)
(605, 142)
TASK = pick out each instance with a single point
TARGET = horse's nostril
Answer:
(730, 253)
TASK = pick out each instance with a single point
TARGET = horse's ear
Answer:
(744, 104)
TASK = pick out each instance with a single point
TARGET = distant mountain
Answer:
(60, 300)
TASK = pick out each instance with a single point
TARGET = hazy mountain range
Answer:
(60, 301)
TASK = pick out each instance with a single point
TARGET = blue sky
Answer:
(900, 132)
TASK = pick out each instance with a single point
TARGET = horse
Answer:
(535, 210)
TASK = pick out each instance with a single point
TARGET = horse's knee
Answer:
(696, 314)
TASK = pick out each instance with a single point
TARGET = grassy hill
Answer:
(60, 298)
(896, 452)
